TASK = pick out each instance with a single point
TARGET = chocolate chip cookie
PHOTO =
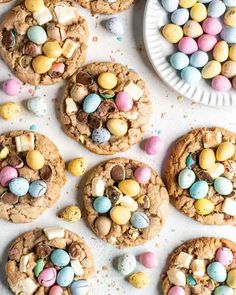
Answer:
(106, 107)
(50, 260)
(126, 202)
(31, 175)
(201, 175)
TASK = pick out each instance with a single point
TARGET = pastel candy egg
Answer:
(56, 290)
(100, 135)
(176, 290)
(216, 8)
(231, 279)
(37, 188)
(102, 204)
(232, 52)
(187, 3)
(228, 34)
(9, 111)
(65, 276)
(37, 35)
(103, 225)
(120, 215)
(78, 166)
(198, 59)
(35, 160)
(221, 83)
(170, 5)
(191, 75)
(19, 186)
(192, 29)
(204, 206)
(115, 26)
(60, 257)
(223, 186)
(39, 267)
(190, 161)
(229, 69)
(34, 5)
(187, 45)
(225, 151)
(143, 174)
(230, 3)
(107, 80)
(4, 152)
(126, 264)
(179, 60)
(224, 255)
(117, 127)
(198, 12)
(191, 281)
(12, 87)
(71, 213)
(129, 187)
(124, 101)
(139, 280)
(80, 287)
(206, 42)
(186, 178)
(173, 33)
(180, 16)
(212, 26)
(217, 272)
(230, 17)
(129, 203)
(42, 64)
(47, 277)
(204, 1)
(91, 103)
(148, 259)
(199, 190)
(207, 158)
(223, 290)
(6, 174)
(211, 69)
(52, 49)
(221, 51)
(37, 106)
(139, 220)
(153, 145)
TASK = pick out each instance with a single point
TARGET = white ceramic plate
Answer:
(159, 50)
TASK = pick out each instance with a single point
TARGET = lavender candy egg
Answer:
(65, 276)
(47, 277)
(7, 174)
(143, 174)
(216, 8)
(170, 5)
(228, 34)
(115, 26)
(80, 287)
(56, 290)
(180, 16)
(37, 188)
(199, 59)
(224, 255)
(124, 101)
(100, 135)
(139, 220)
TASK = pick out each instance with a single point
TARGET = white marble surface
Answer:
(172, 118)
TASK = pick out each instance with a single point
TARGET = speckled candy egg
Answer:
(221, 51)
(170, 5)
(179, 60)
(180, 16)
(206, 42)
(100, 135)
(65, 276)
(223, 186)
(148, 259)
(115, 26)
(139, 220)
(47, 277)
(56, 290)
(153, 145)
(78, 166)
(37, 106)
(198, 59)
(204, 206)
(228, 34)
(7, 174)
(37, 35)
(80, 287)
(187, 45)
(224, 255)
(176, 290)
(139, 280)
(199, 189)
(173, 33)
(102, 204)
(221, 83)
(216, 8)
(212, 26)
(192, 29)
(217, 272)
(223, 290)
(19, 186)
(126, 264)
(37, 188)
(231, 279)
(143, 174)
(230, 17)
(191, 75)
(124, 101)
(198, 12)
(60, 257)
(211, 69)
(9, 110)
(186, 178)
(12, 87)
(91, 103)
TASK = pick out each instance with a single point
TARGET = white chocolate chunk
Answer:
(26, 287)
(216, 170)
(54, 232)
(23, 263)
(176, 277)
(69, 48)
(77, 267)
(71, 106)
(129, 203)
(42, 16)
(25, 142)
(198, 267)
(229, 207)
(212, 139)
(183, 260)
(98, 187)
(65, 13)
(134, 90)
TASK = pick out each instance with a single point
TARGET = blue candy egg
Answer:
(170, 5)
(216, 8)
(230, 3)
(191, 75)
(102, 204)
(179, 60)
(91, 103)
(80, 287)
(139, 220)
(186, 178)
(199, 190)
(100, 135)
(191, 281)
(37, 188)
(199, 59)
(115, 26)
(180, 16)
(60, 257)
(223, 290)
(190, 161)
(19, 186)
(37, 106)
(228, 34)
(223, 186)
(37, 35)
(217, 272)
(65, 276)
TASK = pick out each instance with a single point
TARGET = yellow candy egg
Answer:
(192, 29)
(204, 206)
(229, 69)
(52, 49)
(221, 51)
(34, 5)
(187, 3)
(230, 17)
(198, 12)
(117, 127)
(139, 280)
(211, 69)
(35, 160)
(232, 52)
(71, 213)
(225, 151)
(129, 187)
(107, 80)
(77, 167)
(42, 64)
(207, 158)
(120, 215)
(231, 279)
(172, 33)
(9, 111)
(4, 152)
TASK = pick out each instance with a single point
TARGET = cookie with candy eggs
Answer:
(126, 202)
(32, 173)
(200, 175)
(42, 41)
(106, 107)
(201, 266)
(49, 261)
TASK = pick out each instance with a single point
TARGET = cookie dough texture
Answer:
(191, 143)
(19, 19)
(200, 248)
(28, 208)
(126, 235)
(26, 244)
(137, 118)
(4, 1)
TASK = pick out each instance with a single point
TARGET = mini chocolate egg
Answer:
(80, 287)
(232, 52)
(212, 26)
(107, 80)
(198, 12)
(187, 3)
(206, 42)
(9, 110)
(19, 186)
(139, 280)
(56, 290)
(186, 178)
(143, 174)
(37, 34)
(204, 206)
(207, 158)
(148, 259)
(71, 213)
(230, 3)
(211, 69)
(180, 16)
(115, 26)
(7, 173)
(228, 34)
(231, 279)
(187, 45)
(78, 166)
(173, 33)
(34, 5)
(224, 255)
(124, 101)
(223, 186)
(191, 281)
(192, 29)
(198, 59)
(12, 87)
(139, 220)
(65, 276)
(126, 264)
(37, 188)
(217, 272)
(37, 106)
(199, 190)
(60, 257)
(225, 151)
(102, 204)
(91, 103)
(153, 145)
(114, 194)
(117, 127)
(229, 69)
(4, 152)
(120, 215)
(129, 203)
(176, 290)
(103, 225)
(35, 160)
(170, 5)
(221, 83)
(144, 202)
(40, 263)
(191, 161)
(100, 135)
(47, 277)
(191, 75)
(216, 8)
(179, 60)
(221, 51)
(230, 17)
(223, 290)
(129, 187)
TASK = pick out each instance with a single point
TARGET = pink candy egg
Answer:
(6, 174)
(56, 290)
(187, 45)
(148, 259)
(153, 145)
(12, 87)
(124, 101)
(224, 256)
(47, 277)
(176, 290)
(221, 83)
(143, 174)
(212, 26)
(206, 42)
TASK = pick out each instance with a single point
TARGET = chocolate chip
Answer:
(75, 250)
(46, 173)
(203, 175)
(113, 194)
(42, 250)
(82, 116)
(106, 107)
(118, 172)
(31, 49)
(9, 198)
(94, 121)
(15, 161)
(8, 39)
(84, 78)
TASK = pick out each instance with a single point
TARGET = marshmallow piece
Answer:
(134, 90)
(65, 13)
(216, 170)
(77, 267)
(198, 267)
(71, 106)
(183, 260)
(212, 139)
(26, 287)
(176, 277)
(25, 142)
(23, 263)
(54, 232)
(229, 207)
(98, 187)
(69, 48)
(42, 16)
